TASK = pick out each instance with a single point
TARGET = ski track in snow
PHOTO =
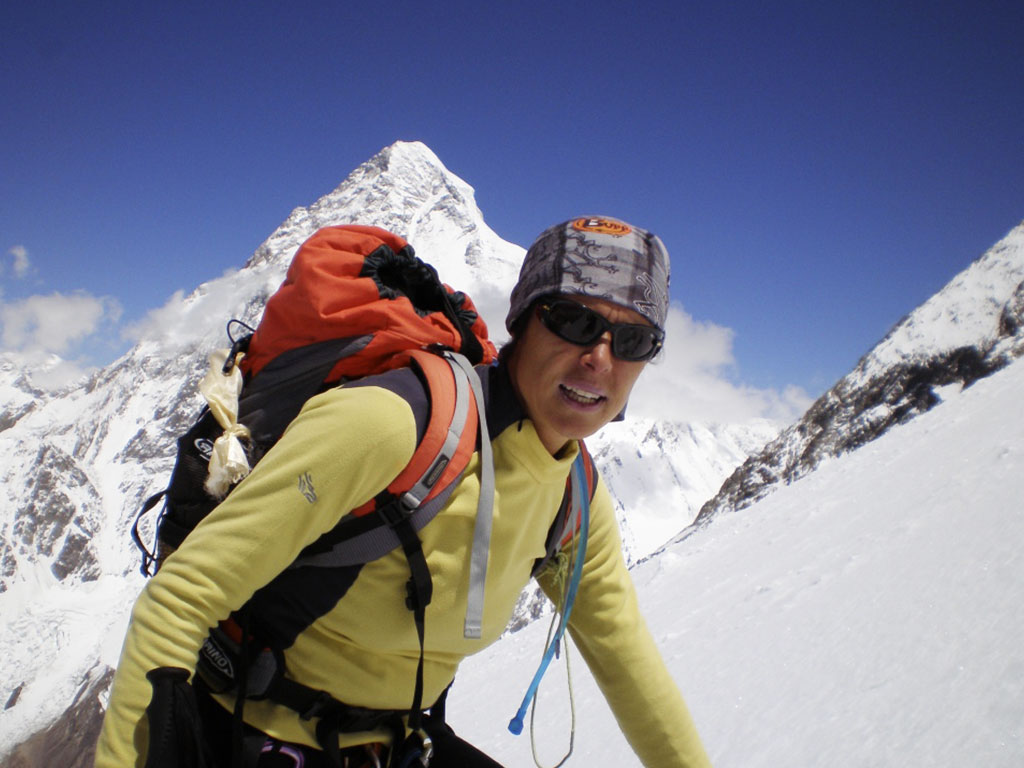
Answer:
(867, 615)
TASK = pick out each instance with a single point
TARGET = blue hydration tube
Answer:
(579, 493)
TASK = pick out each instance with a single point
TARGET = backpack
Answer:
(355, 301)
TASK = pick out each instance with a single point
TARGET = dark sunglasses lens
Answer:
(634, 342)
(575, 323)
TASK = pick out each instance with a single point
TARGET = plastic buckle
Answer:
(426, 753)
(394, 512)
(412, 596)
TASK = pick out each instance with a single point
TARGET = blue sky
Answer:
(817, 170)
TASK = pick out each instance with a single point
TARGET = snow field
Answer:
(867, 615)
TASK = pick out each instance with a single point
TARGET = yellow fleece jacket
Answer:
(345, 446)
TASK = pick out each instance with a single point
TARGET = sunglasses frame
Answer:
(545, 306)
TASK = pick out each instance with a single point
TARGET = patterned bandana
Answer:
(600, 257)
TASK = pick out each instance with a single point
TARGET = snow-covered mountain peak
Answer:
(404, 188)
(966, 312)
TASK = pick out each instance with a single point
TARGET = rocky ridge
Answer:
(971, 328)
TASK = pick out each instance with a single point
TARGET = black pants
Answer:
(264, 752)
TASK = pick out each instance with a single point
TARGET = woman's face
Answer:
(571, 391)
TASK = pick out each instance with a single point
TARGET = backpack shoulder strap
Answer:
(456, 405)
(421, 489)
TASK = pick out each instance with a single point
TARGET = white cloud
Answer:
(691, 380)
(54, 338)
(201, 317)
(54, 324)
(21, 264)
(158, 323)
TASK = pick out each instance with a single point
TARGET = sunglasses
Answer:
(577, 324)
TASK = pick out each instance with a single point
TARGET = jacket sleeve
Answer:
(343, 448)
(610, 633)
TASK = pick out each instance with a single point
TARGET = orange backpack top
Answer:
(365, 283)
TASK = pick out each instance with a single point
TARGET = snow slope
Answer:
(866, 615)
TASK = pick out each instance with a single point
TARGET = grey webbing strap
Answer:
(484, 508)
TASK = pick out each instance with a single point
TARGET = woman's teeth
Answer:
(579, 396)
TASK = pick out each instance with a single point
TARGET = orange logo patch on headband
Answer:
(602, 227)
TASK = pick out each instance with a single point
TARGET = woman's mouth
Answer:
(580, 396)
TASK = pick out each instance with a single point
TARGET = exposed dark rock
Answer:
(51, 521)
(70, 741)
(529, 607)
(11, 416)
(8, 567)
(76, 557)
(13, 698)
(1011, 319)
